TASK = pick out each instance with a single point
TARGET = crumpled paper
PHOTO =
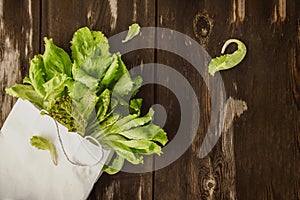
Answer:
(29, 174)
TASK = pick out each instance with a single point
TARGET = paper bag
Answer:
(29, 174)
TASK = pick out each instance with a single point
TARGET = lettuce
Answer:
(134, 30)
(42, 143)
(228, 61)
(92, 94)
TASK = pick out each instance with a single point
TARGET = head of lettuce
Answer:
(92, 93)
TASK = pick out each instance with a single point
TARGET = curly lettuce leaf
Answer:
(115, 167)
(37, 75)
(89, 95)
(26, 92)
(134, 30)
(84, 43)
(103, 105)
(93, 69)
(116, 142)
(228, 61)
(115, 71)
(148, 132)
(63, 112)
(42, 143)
(135, 106)
(56, 60)
(56, 88)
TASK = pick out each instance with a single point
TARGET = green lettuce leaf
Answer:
(93, 69)
(135, 106)
(115, 167)
(56, 88)
(84, 43)
(56, 60)
(148, 132)
(134, 30)
(116, 70)
(143, 146)
(116, 142)
(26, 92)
(103, 105)
(37, 75)
(92, 94)
(134, 122)
(42, 143)
(228, 61)
(63, 112)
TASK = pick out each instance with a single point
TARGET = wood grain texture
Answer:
(265, 141)
(17, 45)
(257, 158)
(190, 177)
(258, 155)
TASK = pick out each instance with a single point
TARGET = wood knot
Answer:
(202, 25)
(210, 184)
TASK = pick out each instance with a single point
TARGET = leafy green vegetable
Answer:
(36, 74)
(228, 61)
(115, 167)
(84, 43)
(26, 92)
(92, 94)
(42, 143)
(134, 30)
(55, 88)
(56, 60)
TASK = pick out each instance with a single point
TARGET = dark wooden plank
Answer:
(265, 139)
(60, 20)
(295, 84)
(257, 156)
(19, 41)
(190, 177)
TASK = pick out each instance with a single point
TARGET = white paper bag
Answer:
(29, 174)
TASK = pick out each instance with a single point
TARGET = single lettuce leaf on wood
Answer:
(42, 143)
(134, 30)
(228, 61)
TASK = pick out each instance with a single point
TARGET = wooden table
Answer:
(257, 157)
